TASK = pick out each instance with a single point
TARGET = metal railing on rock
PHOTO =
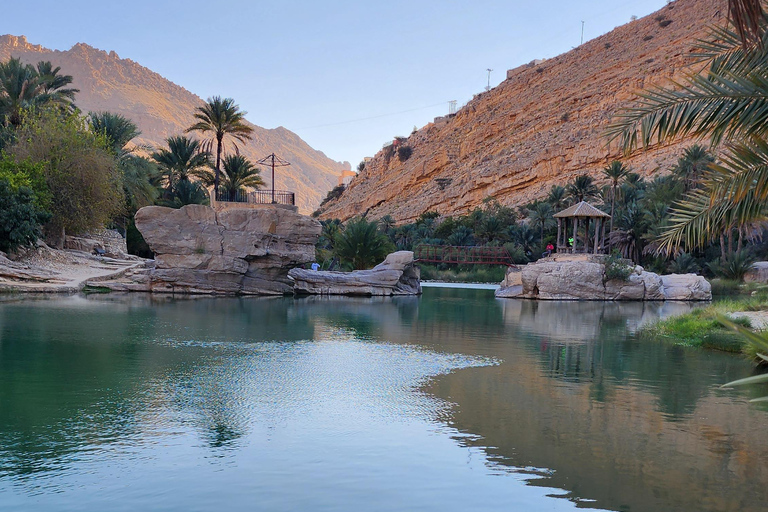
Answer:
(257, 197)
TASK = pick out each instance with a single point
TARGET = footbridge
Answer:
(462, 255)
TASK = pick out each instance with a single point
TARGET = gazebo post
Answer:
(575, 234)
(559, 222)
(598, 222)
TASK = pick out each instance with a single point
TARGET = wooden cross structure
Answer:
(585, 212)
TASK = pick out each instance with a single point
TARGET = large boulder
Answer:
(758, 273)
(234, 251)
(396, 275)
(686, 287)
(582, 277)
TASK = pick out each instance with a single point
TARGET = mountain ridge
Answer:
(542, 126)
(162, 108)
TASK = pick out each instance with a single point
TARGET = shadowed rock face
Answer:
(396, 275)
(235, 251)
(582, 277)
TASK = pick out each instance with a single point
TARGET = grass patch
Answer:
(700, 327)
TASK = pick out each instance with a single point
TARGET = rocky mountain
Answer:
(161, 108)
(542, 126)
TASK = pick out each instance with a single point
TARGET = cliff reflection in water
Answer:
(575, 400)
(631, 425)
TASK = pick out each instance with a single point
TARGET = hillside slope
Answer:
(542, 126)
(161, 108)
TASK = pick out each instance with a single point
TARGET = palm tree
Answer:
(220, 117)
(557, 197)
(117, 129)
(691, 166)
(183, 158)
(22, 87)
(615, 171)
(238, 174)
(541, 215)
(53, 82)
(184, 193)
(361, 245)
(582, 188)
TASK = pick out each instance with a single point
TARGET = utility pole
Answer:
(488, 87)
(274, 161)
(582, 33)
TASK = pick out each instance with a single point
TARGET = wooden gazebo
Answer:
(581, 211)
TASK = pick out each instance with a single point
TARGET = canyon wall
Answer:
(542, 126)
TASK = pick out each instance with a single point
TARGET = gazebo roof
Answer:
(582, 209)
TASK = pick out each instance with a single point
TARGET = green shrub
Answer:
(733, 267)
(617, 268)
(20, 219)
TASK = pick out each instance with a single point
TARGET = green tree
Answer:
(20, 218)
(183, 159)
(239, 173)
(557, 197)
(691, 166)
(541, 216)
(615, 172)
(116, 128)
(360, 245)
(22, 87)
(581, 188)
(220, 118)
(80, 170)
(186, 192)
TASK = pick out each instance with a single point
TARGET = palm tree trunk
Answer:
(613, 204)
(722, 246)
(741, 240)
(730, 240)
(218, 165)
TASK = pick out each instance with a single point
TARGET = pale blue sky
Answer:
(312, 66)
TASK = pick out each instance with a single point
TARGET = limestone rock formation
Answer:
(758, 273)
(582, 277)
(234, 251)
(161, 108)
(107, 240)
(396, 275)
(543, 125)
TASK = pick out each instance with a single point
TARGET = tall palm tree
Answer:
(220, 117)
(239, 173)
(557, 197)
(541, 216)
(183, 159)
(615, 172)
(582, 188)
(691, 166)
(20, 88)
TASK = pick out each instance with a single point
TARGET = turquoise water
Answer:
(451, 401)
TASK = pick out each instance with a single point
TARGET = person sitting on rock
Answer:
(549, 250)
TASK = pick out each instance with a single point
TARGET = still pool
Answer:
(453, 401)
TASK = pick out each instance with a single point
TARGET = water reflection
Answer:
(559, 395)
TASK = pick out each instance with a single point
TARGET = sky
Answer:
(346, 76)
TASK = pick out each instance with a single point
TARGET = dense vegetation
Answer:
(62, 171)
(641, 214)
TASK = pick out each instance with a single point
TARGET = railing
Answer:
(257, 197)
(463, 255)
